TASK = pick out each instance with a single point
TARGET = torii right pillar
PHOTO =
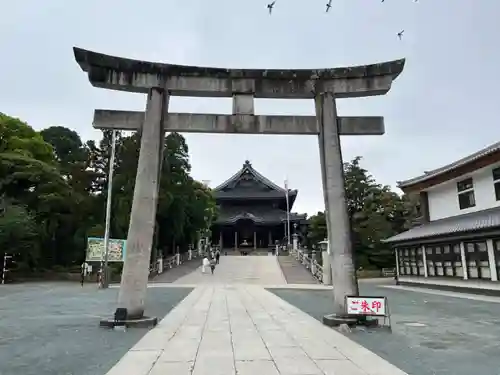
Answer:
(343, 273)
(340, 250)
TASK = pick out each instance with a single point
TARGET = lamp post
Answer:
(105, 273)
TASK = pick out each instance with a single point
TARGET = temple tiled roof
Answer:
(471, 222)
(247, 167)
(252, 194)
(450, 167)
(259, 215)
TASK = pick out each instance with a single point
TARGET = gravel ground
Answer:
(452, 336)
(53, 328)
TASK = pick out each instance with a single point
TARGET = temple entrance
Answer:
(245, 237)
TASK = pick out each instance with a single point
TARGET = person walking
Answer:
(212, 265)
(217, 256)
(205, 264)
(84, 271)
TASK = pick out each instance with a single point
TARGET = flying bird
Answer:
(400, 34)
(270, 6)
(328, 6)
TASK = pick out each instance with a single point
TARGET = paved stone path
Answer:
(294, 272)
(262, 270)
(245, 330)
(433, 332)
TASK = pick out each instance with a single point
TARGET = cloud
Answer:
(441, 108)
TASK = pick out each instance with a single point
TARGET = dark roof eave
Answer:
(470, 222)
(451, 236)
(449, 167)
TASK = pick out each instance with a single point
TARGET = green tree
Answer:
(375, 213)
(317, 229)
(56, 189)
(18, 231)
(18, 137)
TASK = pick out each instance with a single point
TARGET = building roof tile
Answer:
(247, 167)
(447, 168)
(474, 221)
(259, 215)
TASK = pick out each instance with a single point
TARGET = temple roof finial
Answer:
(247, 163)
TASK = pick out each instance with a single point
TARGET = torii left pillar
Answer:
(143, 215)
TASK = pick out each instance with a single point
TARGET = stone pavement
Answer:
(433, 332)
(53, 327)
(262, 270)
(245, 330)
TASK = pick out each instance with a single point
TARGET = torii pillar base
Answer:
(144, 322)
(334, 320)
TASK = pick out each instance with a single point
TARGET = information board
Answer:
(95, 250)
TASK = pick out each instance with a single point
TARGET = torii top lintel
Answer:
(123, 74)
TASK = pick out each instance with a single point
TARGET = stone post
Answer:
(220, 240)
(160, 265)
(313, 262)
(235, 240)
(338, 226)
(142, 218)
(295, 242)
(254, 240)
(190, 254)
(327, 271)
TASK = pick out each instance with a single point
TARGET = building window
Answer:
(496, 182)
(410, 262)
(465, 190)
(477, 261)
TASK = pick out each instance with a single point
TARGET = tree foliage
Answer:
(53, 190)
(375, 211)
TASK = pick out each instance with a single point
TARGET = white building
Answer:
(459, 233)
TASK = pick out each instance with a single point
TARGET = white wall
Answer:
(443, 198)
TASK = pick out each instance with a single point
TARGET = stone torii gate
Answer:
(160, 81)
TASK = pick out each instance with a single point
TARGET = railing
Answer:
(309, 261)
(388, 272)
(164, 264)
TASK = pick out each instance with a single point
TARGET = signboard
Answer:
(95, 250)
(373, 306)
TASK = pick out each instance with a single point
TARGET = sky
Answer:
(442, 107)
